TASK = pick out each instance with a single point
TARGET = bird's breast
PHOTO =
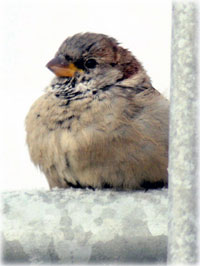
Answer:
(55, 127)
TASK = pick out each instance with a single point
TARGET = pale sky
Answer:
(31, 32)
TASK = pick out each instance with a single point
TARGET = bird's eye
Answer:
(91, 63)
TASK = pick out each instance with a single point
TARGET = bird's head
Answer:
(95, 57)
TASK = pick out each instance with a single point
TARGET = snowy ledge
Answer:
(83, 226)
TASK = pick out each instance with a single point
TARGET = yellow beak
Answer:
(62, 69)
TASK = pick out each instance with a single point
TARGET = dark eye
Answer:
(91, 63)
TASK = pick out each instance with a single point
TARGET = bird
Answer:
(100, 123)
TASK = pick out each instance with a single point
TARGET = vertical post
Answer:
(183, 148)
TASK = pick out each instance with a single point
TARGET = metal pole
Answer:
(84, 227)
(183, 151)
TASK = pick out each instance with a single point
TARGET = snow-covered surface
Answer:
(84, 226)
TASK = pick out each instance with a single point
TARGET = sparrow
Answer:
(100, 123)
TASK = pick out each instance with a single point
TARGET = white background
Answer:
(31, 31)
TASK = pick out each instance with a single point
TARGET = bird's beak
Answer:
(62, 68)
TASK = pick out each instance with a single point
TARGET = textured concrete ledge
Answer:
(83, 226)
